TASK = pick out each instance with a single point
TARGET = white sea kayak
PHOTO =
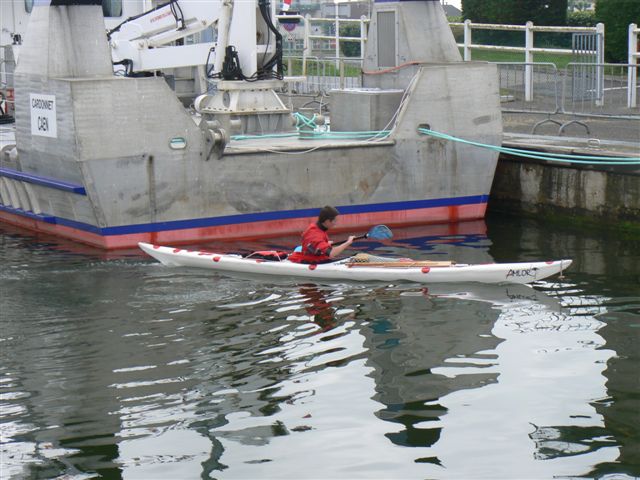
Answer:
(347, 269)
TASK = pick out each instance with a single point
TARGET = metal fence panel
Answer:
(323, 76)
(545, 88)
(598, 89)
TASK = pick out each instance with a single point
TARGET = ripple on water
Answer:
(132, 369)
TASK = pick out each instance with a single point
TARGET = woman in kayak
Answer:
(316, 246)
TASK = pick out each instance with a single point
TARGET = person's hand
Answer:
(338, 249)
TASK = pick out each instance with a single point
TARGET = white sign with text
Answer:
(43, 115)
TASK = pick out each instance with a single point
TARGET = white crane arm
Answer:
(145, 42)
(169, 22)
(135, 38)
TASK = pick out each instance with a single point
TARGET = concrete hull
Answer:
(246, 193)
(111, 180)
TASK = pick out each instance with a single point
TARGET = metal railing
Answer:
(632, 73)
(7, 100)
(529, 50)
(530, 87)
(582, 93)
(310, 23)
(592, 49)
(579, 89)
(322, 74)
(570, 97)
(529, 29)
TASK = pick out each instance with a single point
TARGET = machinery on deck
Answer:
(244, 43)
(244, 61)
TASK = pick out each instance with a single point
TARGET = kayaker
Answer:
(316, 246)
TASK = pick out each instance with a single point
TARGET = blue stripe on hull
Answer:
(31, 215)
(44, 181)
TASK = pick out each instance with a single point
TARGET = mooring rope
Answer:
(553, 157)
(314, 134)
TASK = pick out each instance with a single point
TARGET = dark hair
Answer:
(327, 213)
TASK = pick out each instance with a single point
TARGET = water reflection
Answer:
(425, 330)
(605, 285)
(126, 369)
(549, 368)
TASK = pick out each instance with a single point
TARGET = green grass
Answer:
(328, 68)
(560, 61)
(324, 68)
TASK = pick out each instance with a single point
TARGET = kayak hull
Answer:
(525, 272)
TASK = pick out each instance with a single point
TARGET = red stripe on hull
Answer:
(272, 228)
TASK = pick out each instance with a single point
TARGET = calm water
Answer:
(118, 367)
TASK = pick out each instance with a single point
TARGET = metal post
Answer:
(306, 46)
(337, 10)
(341, 74)
(363, 34)
(600, 66)
(467, 40)
(528, 59)
(13, 17)
(632, 69)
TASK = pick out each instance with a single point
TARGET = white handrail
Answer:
(529, 28)
(362, 38)
(535, 28)
(632, 72)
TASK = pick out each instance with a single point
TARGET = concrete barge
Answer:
(112, 161)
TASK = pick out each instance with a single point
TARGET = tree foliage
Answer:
(584, 18)
(616, 16)
(350, 49)
(512, 12)
(516, 12)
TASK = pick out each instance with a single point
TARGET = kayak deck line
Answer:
(403, 264)
(367, 260)
(413, 271)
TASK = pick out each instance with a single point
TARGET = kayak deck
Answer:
(410, 271)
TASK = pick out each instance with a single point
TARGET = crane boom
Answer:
(145, 41)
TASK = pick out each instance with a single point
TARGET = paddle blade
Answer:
(380, 232)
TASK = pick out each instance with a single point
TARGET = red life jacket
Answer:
(315, 246)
